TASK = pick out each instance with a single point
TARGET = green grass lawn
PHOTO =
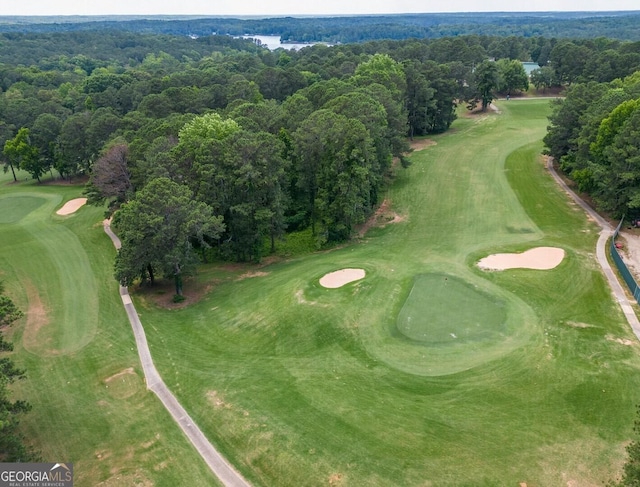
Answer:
(305, 386)
(90, 403)
(498, 377)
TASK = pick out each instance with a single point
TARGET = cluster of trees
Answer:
(566, 62)
(594, 134)
(12, 446)
(617, 25)
(268, 141)
(316, 160)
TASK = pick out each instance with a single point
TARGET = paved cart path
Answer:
(601, 253)
(216, 462)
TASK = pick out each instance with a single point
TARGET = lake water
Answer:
(273, 42)
(528, 67)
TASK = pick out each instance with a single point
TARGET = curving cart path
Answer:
(216, 462)
(601, 252)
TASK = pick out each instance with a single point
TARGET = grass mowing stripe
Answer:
(15, 208)
(301, 385)
(90, 406)
(291, 380)
(71, 300)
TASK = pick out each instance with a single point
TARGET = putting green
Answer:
(446, 323)
(442, 310)
(14, 208)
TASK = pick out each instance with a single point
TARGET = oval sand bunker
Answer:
(540, 258)
(72, 206)
(340, 278)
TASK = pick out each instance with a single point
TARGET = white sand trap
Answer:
(340, 278)
(72, 206)
(540, 258)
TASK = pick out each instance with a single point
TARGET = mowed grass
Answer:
(90, 403)
(305, 386)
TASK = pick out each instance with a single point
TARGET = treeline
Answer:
(72, 55)
(615, 25)
(268, 141)
(594, 134)
(100, 48)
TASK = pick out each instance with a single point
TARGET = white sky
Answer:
(299, 7)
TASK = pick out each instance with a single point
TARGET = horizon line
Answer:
(280, 15)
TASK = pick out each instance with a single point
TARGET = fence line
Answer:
(622, 267)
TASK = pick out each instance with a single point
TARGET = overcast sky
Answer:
(300, 7)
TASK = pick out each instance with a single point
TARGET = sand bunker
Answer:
(540, 258)
(340, 278)
(72, 206)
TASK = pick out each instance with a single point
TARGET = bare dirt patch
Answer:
(382, 217)
(621, 341)
(217, 401)
(578, 324)
(161, 294)
(629, 242)
(301, 299)
(336, 479)
(37, 319)
(342, 277)
(161, 466)
(103, 454)
(478, 114)
(119, 374)
(148, 444)
(250, 274)
(539, 258)
(421, 144)
(72, 206)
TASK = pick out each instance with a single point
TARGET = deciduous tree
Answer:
(512, 76)
(110, 176)
(486, 79)
(158, 228)
(23, 154)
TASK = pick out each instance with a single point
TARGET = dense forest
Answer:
(259, 143)
(347, 29)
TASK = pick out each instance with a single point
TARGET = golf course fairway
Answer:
(427, 371)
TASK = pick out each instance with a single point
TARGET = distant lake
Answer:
(273, 42)
(528, 67)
